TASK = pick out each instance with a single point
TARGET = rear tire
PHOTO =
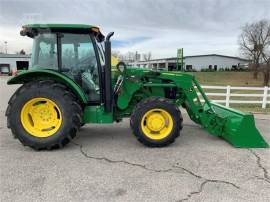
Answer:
(66, 105)
(158, 133)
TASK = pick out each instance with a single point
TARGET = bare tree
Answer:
(116, 53)
(266, 68)
(130, 57)
(147, 56)
(254, 42)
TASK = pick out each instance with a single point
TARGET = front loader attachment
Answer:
(239, 128)
(236, 127)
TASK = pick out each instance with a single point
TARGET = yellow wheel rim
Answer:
(157, 124)
(41, 117)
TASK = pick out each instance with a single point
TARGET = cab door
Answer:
(79, 62)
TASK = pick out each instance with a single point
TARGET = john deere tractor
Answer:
(70, 83)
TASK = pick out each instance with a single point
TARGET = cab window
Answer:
(44, 52)
(77, 59)
(79, 62)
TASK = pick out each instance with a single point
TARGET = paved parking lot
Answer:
(106, 163)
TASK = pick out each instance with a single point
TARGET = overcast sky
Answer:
(159, 26)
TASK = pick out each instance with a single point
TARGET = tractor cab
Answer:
(74, 50)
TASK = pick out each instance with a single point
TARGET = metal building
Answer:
(13, 62)
(196, 62)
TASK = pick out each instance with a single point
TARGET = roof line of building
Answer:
(191, 56)
(3, 55)
(16, 57)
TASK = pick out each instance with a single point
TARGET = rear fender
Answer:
(30, 75)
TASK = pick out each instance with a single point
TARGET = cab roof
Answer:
(60, 26)
(76, 28)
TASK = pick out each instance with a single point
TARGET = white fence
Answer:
(261, 93)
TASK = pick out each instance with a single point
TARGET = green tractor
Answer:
(70, 83)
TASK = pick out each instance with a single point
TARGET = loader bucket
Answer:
(239, 128)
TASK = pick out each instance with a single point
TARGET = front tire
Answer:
(156, 122)
(44, 114)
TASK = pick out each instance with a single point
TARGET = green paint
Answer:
(160, 85)
(96, 114)
(239, 128)
(235, 127)
(29, 75)
(127, 91)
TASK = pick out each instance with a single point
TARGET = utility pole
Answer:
(6, 46)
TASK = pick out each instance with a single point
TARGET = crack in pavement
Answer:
(119, 161)
(161, 171)
(203, 183)
(262, 178)
(188, 171)
(266, 177)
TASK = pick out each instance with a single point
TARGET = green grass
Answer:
(251, 108)
(228, 78)
(243, 79)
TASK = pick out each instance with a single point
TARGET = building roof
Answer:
(3, 55)
(193, 56)
(225, 56)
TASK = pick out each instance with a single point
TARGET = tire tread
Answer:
(148, 102)
(76, 110)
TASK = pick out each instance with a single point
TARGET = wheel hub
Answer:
(157, 124)
(41, 117)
